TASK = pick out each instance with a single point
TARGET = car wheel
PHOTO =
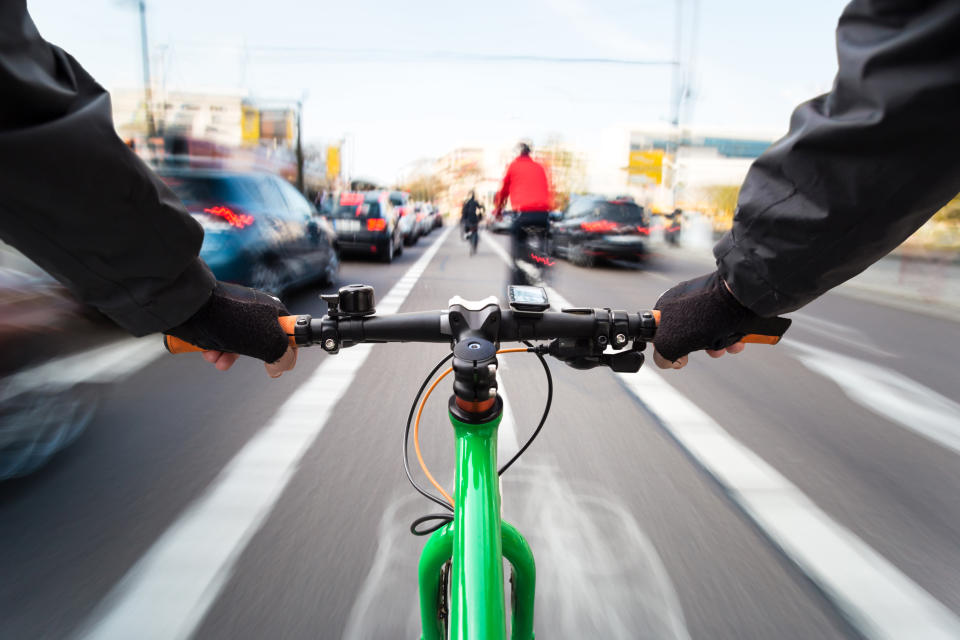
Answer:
(332, 268)
(580, 257)
(387, 256)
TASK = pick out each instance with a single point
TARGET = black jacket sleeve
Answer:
(77, 201)
(861, 168)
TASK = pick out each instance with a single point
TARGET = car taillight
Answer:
(235, 218)
(645, 231)
(598, 226)
(376, 224)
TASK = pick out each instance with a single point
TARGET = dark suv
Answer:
(594, 228)
(366, 222)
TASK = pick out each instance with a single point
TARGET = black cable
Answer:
(406, 449)
(546, 410)
(441, 518)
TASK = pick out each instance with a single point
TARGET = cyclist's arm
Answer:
(77, 201)
(861, 168)
(500, 200)
(80, 204)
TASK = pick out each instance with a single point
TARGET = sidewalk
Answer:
(919, 283)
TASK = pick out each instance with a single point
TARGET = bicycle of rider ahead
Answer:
(461, 570)
(473, 237)
(531, 255)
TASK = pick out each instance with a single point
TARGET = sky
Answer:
(403, 81)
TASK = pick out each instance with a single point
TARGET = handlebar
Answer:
(579, 336)
(613, 327)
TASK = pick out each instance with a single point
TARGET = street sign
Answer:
(333, 161)
(646, 166)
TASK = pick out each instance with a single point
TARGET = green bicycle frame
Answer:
(476, 543)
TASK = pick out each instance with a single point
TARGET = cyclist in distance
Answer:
(527, 187)
(861, 168)
(470, 216)
(78, 202)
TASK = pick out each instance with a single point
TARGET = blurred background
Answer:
(806, 491)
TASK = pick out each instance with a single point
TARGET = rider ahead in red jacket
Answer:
(526, 184)
(528, 187)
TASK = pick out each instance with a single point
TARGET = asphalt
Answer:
(633, 538)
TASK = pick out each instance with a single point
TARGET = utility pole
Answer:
(681, 89)
(147, 96)
(299, 147)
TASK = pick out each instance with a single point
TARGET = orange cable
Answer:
(416, 425)
(416, 437)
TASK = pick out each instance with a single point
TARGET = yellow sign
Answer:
(250, 125)
(333, 161)
(648, 164)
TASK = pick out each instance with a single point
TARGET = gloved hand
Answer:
(699, 314)
(240, 321)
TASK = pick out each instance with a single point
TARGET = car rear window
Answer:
(363, 210)
(620, 212)
(198, 192)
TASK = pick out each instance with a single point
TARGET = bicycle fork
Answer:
(476, 543)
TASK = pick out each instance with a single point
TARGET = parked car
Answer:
(595, 228)
(367, 222)
(424, 218)
(409, 229)
(504, 224)
(437, 216)
(259, 231)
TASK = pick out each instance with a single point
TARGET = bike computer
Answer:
(524, 298)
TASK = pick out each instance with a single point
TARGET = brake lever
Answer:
(624, 362)
(585, 354)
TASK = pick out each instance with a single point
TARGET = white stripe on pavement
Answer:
(889, 394)
(166, 594)
(880, 601)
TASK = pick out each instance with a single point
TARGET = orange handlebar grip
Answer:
(176, 345)
(288, 324)
(756, 338)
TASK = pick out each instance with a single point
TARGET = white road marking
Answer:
(168, 591)
(880, 601)
(507, 442)
(838, 333)
(888, 394)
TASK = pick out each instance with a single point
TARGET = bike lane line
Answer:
(166, 594)
(876, 598)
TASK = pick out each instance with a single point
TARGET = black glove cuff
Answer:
(237, 320)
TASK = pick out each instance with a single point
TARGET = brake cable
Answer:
(440, 519)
